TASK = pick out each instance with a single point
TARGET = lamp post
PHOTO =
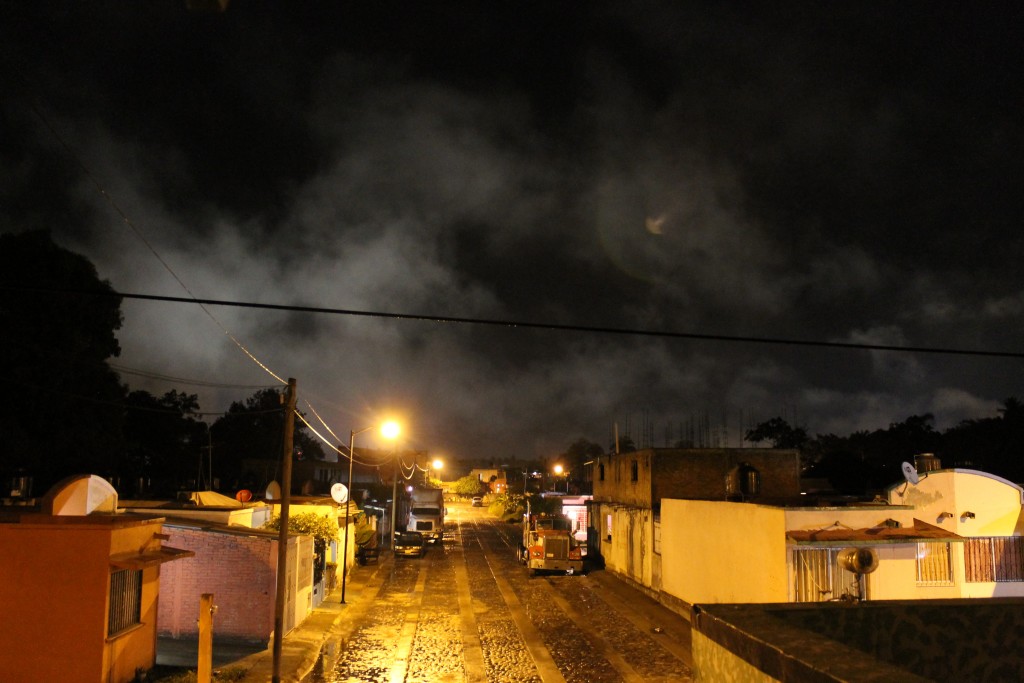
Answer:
(388, 430)
(558, 473)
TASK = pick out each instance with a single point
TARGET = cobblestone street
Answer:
(469, 611)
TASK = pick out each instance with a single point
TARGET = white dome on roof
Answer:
(81, 494)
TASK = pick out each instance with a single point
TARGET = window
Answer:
(634, 471)
(600, 472)
(657, 531)
(999, 558)
(934, 564)
(819, 578)
(125, 600)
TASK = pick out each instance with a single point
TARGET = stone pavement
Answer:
(301, 646)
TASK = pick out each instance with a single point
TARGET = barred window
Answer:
(125, 600)
(934, 564)
(999, 558)
(818, 577)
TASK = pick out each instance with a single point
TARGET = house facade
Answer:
(239, 566)
(79, 573)
(986, 512)
(626, 509)
(236, 560)
(681, 526)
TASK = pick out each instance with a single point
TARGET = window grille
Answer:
(818, 576)
(994, 559)
(125, 600)
(934, 564)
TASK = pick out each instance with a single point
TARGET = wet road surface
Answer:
(470, 612)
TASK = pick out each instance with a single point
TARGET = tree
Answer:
(993, 444)
(779, 433)
(62, 413)
(578, 454)
(324, 531)
(254, 431)
(508, 505)
(166, 445)
(468, 485)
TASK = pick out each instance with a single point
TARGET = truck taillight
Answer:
(575, 554)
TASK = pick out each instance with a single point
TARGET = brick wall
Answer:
(239, 569)
(643, 478)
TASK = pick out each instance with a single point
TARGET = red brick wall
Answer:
(240, 571)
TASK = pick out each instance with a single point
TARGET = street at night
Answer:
(469, 611)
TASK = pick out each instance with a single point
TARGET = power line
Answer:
(527, 324)
(138, 233)
(180, 380)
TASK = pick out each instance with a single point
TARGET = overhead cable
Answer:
(670, 334)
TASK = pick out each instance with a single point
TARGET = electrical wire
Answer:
(138, 233)
(625, 331)
(333, 447)
(124, 370)
(37, 111)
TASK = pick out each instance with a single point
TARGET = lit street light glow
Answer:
(390, 429)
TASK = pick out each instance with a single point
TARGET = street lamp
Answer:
(559, 470)
(438, 465)
(389, 430)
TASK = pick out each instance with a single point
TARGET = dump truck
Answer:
(548, 544)
(426, 513)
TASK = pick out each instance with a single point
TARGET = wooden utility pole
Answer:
(282, 538)
(205, 664)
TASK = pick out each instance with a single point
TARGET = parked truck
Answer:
(426, 513)
(548, 544)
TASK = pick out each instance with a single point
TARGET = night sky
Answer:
(811, 171)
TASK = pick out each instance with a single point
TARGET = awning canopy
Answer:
(149, 558)
(838, 535)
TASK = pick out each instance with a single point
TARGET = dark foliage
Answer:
(62, 412)
(866, 462)
(166, 446)
(249, 438)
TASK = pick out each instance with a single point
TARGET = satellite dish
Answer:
(243, 496)
(273, 491)
(339, 492)
(910, 473)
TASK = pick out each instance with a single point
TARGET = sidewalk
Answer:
(301, 646)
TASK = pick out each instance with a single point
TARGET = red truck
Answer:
(548, 544)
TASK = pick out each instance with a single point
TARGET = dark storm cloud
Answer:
(801, 170)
